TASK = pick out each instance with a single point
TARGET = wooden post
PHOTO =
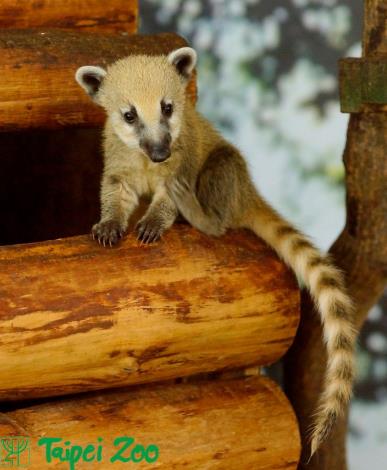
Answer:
(360, 250)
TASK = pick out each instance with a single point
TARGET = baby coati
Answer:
(156, 144)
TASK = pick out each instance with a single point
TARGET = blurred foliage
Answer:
(275, 34)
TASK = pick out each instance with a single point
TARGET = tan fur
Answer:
(206, 180)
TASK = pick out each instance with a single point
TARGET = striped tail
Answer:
(326, 286)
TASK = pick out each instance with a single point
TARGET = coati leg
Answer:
(191, 209)
(211, 202)
(118, 201)
(160, 215)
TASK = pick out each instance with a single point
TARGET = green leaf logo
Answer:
(14, 451)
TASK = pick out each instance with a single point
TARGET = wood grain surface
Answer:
(75, 316)
(233, 425)
(91, 15)
(38, 88)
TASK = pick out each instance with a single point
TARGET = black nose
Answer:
(157, 151)
(160, 153)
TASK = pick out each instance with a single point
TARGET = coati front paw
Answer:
(149, 229)
(107, 232)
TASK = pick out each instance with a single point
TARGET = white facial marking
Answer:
(124, 130)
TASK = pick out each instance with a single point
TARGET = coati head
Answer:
(143, 97)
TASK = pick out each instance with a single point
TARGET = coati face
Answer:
(144, 98)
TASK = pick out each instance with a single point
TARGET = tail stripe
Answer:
(317, 261)
(326, 281)
(341, 310)
(344, 342)
(326, 286)
(283, 231)
(299, 244)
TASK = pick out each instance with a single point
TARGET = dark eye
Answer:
(130, 116)
(167, 109)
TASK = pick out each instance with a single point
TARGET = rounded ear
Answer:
(90, 78)
(184, 60)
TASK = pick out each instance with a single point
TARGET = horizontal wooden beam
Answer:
(75, 316)
(236, 424)
(38, 89)
(113, 16)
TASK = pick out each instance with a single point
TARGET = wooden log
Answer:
(235, 424)
(113, 16)
(75, 316)
(38, 88)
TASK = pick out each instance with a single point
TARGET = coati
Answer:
(157, 144)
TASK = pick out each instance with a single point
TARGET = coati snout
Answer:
(157, 151)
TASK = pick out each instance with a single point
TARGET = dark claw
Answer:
(147, 237)
(154, 237)
(140, 231)
(149, 231)
(107, 233)
(140, 235)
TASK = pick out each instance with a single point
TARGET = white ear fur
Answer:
(90, 78)
(184, 60)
